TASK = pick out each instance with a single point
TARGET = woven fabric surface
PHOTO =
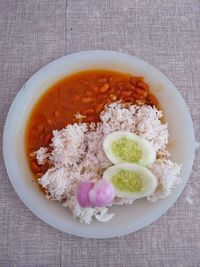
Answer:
(166, 33)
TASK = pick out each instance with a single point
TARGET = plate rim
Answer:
(9, 118)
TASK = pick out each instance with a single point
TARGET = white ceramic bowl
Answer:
(128, 218)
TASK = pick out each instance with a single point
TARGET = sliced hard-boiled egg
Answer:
(122, 146)
(131, 181)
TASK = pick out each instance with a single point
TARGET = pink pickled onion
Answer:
(101, 194)
(83, 194)
(95, 195)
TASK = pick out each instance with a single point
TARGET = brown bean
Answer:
(56, 114)
(138, 97)
(104, 88)
(132, 80)
(88, 93)
(135, 96)
(141, 92)
(108, 101)
(87, 99)
(99, 108)
(90, 119)
(129, 99)
(139, 78)
(32, 154)
(141, 102)
(112, 97)
(143, 85)
(131, 87)
(35, 167)
(135, 79)
(126, 93)
(88, 111)
(121, 85)
(152, 100)
(141, 97)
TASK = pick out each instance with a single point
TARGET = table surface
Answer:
(164, 33)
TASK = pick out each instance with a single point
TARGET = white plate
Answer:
(128, 218)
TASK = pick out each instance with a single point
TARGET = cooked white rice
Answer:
(78, 156)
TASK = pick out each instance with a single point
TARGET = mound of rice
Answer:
(78, 156)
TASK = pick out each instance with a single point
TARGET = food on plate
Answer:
(131, 180)
(122, 146)
(96, 139)
(97, 194)
(83, 194)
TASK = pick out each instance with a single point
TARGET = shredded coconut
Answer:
(86, 214)
(77, 156)
(54, 181)
(167, 173)
(42, 155)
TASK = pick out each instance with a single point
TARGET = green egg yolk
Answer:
(128, 181)
(127, 150)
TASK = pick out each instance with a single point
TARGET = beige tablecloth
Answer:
(166, 33)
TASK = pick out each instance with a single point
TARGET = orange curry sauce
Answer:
(85, 93)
